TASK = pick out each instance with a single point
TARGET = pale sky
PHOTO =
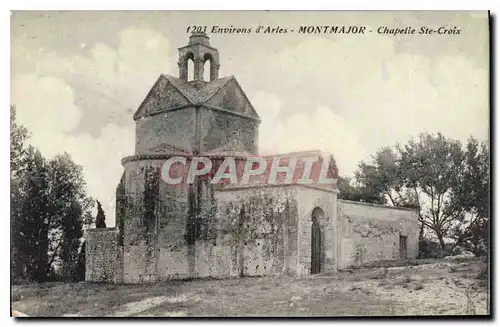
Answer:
(77, 78)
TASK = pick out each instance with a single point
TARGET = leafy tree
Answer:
(346, 190)
(448, 186)
(430, 166)
(49, 209)
(18, 137)
(72, 233)
(33, 223)
(379, 180)
(100, 220)
(71, 211)
(349, 190)
(151, 193)
(471, 193)
(384, 179)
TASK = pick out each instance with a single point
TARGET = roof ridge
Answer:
(148, 95)
(295, 153)
(210, 96)
(174, 84)
(246, 97)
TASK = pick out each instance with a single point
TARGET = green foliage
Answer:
(446, 183)
(32, 223)
(100, 219)
(121, 204)
(430, 166)
(151, 197)
(471, 195)
(18, 137)
(428, 249)
(349, 191)
(49, 209)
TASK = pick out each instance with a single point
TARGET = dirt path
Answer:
(433, 289)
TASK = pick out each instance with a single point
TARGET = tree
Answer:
(380, 180)
(49, 209)
(449, 186)
(71, 211)
(471, 193)
(431, 165)
(72, 233)
(18, 137)
(350, 190)
(33, 221)
(346, 190)
(100, 219)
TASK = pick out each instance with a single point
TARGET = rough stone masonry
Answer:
(198, 230)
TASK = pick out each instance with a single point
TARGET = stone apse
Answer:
(200, 229)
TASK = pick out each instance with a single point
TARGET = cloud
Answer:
(383, 96)
(46, 104)
(320, 129)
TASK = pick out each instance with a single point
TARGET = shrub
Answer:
(428, 249)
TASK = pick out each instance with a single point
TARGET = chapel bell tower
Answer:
(199, 51)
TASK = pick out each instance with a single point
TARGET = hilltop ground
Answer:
(438, 288)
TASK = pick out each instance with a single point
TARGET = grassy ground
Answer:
(437, 288)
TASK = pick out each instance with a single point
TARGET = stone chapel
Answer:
(199, 230)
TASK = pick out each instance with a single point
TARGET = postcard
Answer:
(250, 163)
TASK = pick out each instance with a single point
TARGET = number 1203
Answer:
(196, 29)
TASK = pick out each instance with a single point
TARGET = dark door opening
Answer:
(402, 246)
(315, 246)
(241, 244)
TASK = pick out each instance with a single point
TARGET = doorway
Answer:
(403, 240)
(241, 243)
(316, 241)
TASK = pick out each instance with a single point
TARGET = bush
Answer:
(428, 249)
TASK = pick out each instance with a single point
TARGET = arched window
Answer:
(206, 71)
(207, 67)
(190, 66)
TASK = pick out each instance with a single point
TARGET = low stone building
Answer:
(201, 229)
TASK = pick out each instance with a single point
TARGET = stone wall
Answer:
(231, 97)
(196, 232)
(166, 132)
(223, 130)
(154, 224)
(258, 229)
(102, 260)
(372, 232)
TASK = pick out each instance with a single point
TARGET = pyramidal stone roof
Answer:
(198, 95)
(195, 93)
